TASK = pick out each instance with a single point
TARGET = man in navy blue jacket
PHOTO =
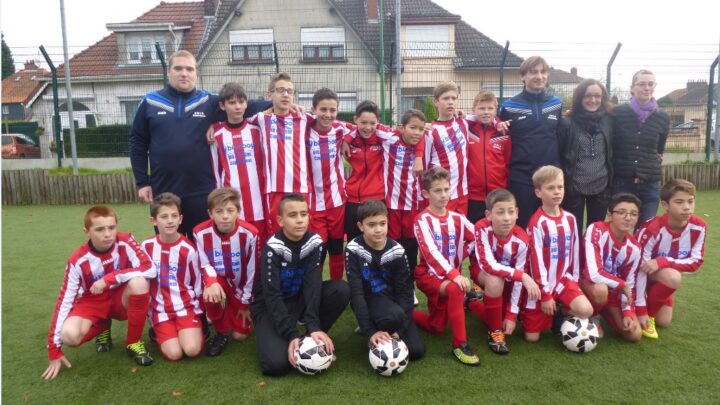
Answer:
(169, 131)
(534, 117)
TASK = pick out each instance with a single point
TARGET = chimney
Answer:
(210, 7)
(372, 10)
(696, 84)
(573, 71)
(30, 65)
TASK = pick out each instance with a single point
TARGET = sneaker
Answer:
(216, 345)
(471, 296)
(103, 341)
(415, 300)
(466, 355)
(651, 332)
(496, 341)
(596, 320)
(137, 351)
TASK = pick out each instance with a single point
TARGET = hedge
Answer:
(103, 141)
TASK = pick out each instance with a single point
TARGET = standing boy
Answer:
(612, 256)
(291, 290)
(554, 258)
(107, 277)
(502, 255)
(672, 244)
(175, 312)
(227, 247)
(445, 239)
(381, 282)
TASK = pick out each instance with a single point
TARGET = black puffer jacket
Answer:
(569, 131)
(636, 146)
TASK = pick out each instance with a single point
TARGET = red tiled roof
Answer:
(100, 59)
(22, 86)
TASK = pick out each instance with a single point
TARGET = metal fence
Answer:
(108, 82)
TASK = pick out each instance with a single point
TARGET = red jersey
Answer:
(177, 289)
(610, 261)
(366, 180)
(285, 152)
(237, 160)
(683, 251)
(488, 159)
(125, 260)
(554, 251)
(232, 256)
(328, 172)
(444, 242)
(447, 148)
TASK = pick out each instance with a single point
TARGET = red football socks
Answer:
(136, 314)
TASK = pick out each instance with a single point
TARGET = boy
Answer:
(175, 312)
(284, 147)
(291, 289)
(238, 159)
(106, 277)
(227, 247)
(445, 239)
(672, 244)
(488, 154)
(611, 260)
(325, 137)
(554, 258)
(502, 254)
(381, 282)
(447, 145)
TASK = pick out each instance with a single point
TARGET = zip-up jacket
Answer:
(488, 158)
(636, 145)
(366, 179)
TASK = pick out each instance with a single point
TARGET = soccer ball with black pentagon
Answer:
(312, 358)
(579, 335)
(389, 358)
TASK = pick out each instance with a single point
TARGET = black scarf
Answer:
(589, 121)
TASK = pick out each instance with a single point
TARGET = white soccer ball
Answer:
(579, 335)
(312, 358)
(389, 358)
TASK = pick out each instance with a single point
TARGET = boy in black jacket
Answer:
(291, 289)
(381, 282)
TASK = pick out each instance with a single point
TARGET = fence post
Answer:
(59, 149)
(609, 67)
(277, 60)
(382, 62)
(502, 70)
(161, 56)
(711, 93)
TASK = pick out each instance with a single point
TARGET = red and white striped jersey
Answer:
(554, 251)
(610, 261)
(328, 171)
(177, 289)
(506, 258)
(402, 188)
(446, 147)
(237, 160)
(444, 242)
(124, 261)
(285, 152)
(232, 256)
(683, 251)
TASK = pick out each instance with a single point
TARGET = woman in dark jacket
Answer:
(585, 143)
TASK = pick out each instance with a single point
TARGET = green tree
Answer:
(430, 111)
(8, 64)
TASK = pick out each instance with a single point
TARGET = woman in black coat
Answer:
(585, 143)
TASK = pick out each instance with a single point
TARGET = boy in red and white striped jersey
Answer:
(175, 312)
(237, 157)
(501, 249)
(672, 244)
(284, 148)
(554, 257)
(325, 138)
(446, 145)
(611, 258)
(107, 277)
(445, 239)
(228, 251)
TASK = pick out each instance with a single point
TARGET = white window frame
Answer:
(347, 100)
(252, 42)
(330, 40)
(427, 41)
(142, 46)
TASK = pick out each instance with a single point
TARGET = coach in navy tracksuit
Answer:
(169, 130)
(534, 119)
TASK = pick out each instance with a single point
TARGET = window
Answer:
(141, 49)
(347, 101)
(6, 109)
(323, 44)
(252, 46)
(427, 41)
(130, 107)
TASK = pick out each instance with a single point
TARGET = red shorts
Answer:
(273, 200)
(169, 329)
(228, 315)
(101, 307)
(534, 319)
(459, 205)
(329, 224)
(261, 226)
(401, 224)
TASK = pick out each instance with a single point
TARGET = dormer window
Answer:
(141, 48)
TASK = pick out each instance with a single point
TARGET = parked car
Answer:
(19, 146)
(687, 126)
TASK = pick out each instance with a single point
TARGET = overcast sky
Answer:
(678, 40)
